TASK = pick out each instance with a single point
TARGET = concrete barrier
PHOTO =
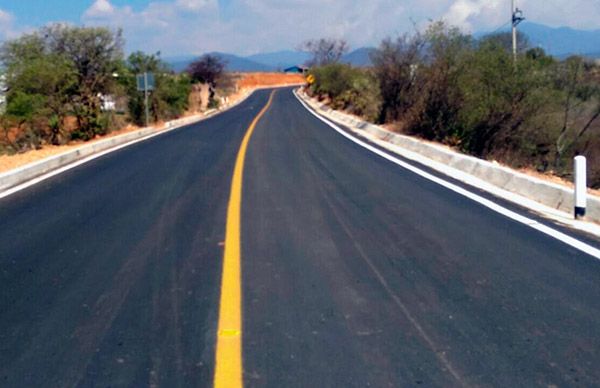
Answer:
(547, 193)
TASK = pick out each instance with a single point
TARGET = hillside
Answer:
(360, 57)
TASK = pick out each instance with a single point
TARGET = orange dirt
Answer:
(245, 82)
(253, 80)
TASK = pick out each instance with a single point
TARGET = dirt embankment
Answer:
(257, 80)
(244, 82)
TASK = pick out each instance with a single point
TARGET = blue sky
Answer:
(42, 11)
(180, 27)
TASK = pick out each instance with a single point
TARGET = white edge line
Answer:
(571, 241)
(79, 162)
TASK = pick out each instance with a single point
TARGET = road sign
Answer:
(145, 82)
(310, 79)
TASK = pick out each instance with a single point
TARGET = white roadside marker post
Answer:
(580, 186)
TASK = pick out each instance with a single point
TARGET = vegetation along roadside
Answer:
(63, 85)
(446, 86)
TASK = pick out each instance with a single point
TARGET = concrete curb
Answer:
(20, 175)
(30, 171)
(547, 193)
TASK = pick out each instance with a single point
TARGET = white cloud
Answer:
(183, 26)
(196, 5)
(7, 26)
(248, 26)
(100, 8)
(485, 15)
(471, 15)
(581, 14)
(5, 17)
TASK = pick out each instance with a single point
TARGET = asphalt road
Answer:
(355, 272)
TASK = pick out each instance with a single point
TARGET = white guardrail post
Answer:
(580, 186)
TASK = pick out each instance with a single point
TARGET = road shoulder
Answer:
(383, 139)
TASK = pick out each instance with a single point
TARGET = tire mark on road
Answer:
(440, 355)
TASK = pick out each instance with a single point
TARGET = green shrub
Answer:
(444, 86)
(349, 88)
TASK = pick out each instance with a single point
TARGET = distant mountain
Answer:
(360, 57)
(237, 63)
(179, 65)
(281, 59)
(561, 42)
(233, 63)
(180, 58)
(273, 61)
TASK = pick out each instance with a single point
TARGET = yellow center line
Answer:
(228, 370)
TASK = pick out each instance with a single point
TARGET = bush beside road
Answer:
(442, 85)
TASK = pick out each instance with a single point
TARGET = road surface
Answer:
(354, 271)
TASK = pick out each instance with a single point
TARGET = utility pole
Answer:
(517, 17)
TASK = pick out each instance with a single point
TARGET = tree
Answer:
(434, 113)
(580, 104)
(62, 71)
(500, 100)
(396, 64)
(33, 70)
(16, 53)
(95, 54)
(325, 51)
(68, 69)
(207, 69)
(22, 112)
(348, 88)
(52, 78)
(333, 79)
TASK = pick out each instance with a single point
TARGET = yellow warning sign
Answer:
(310, 79)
